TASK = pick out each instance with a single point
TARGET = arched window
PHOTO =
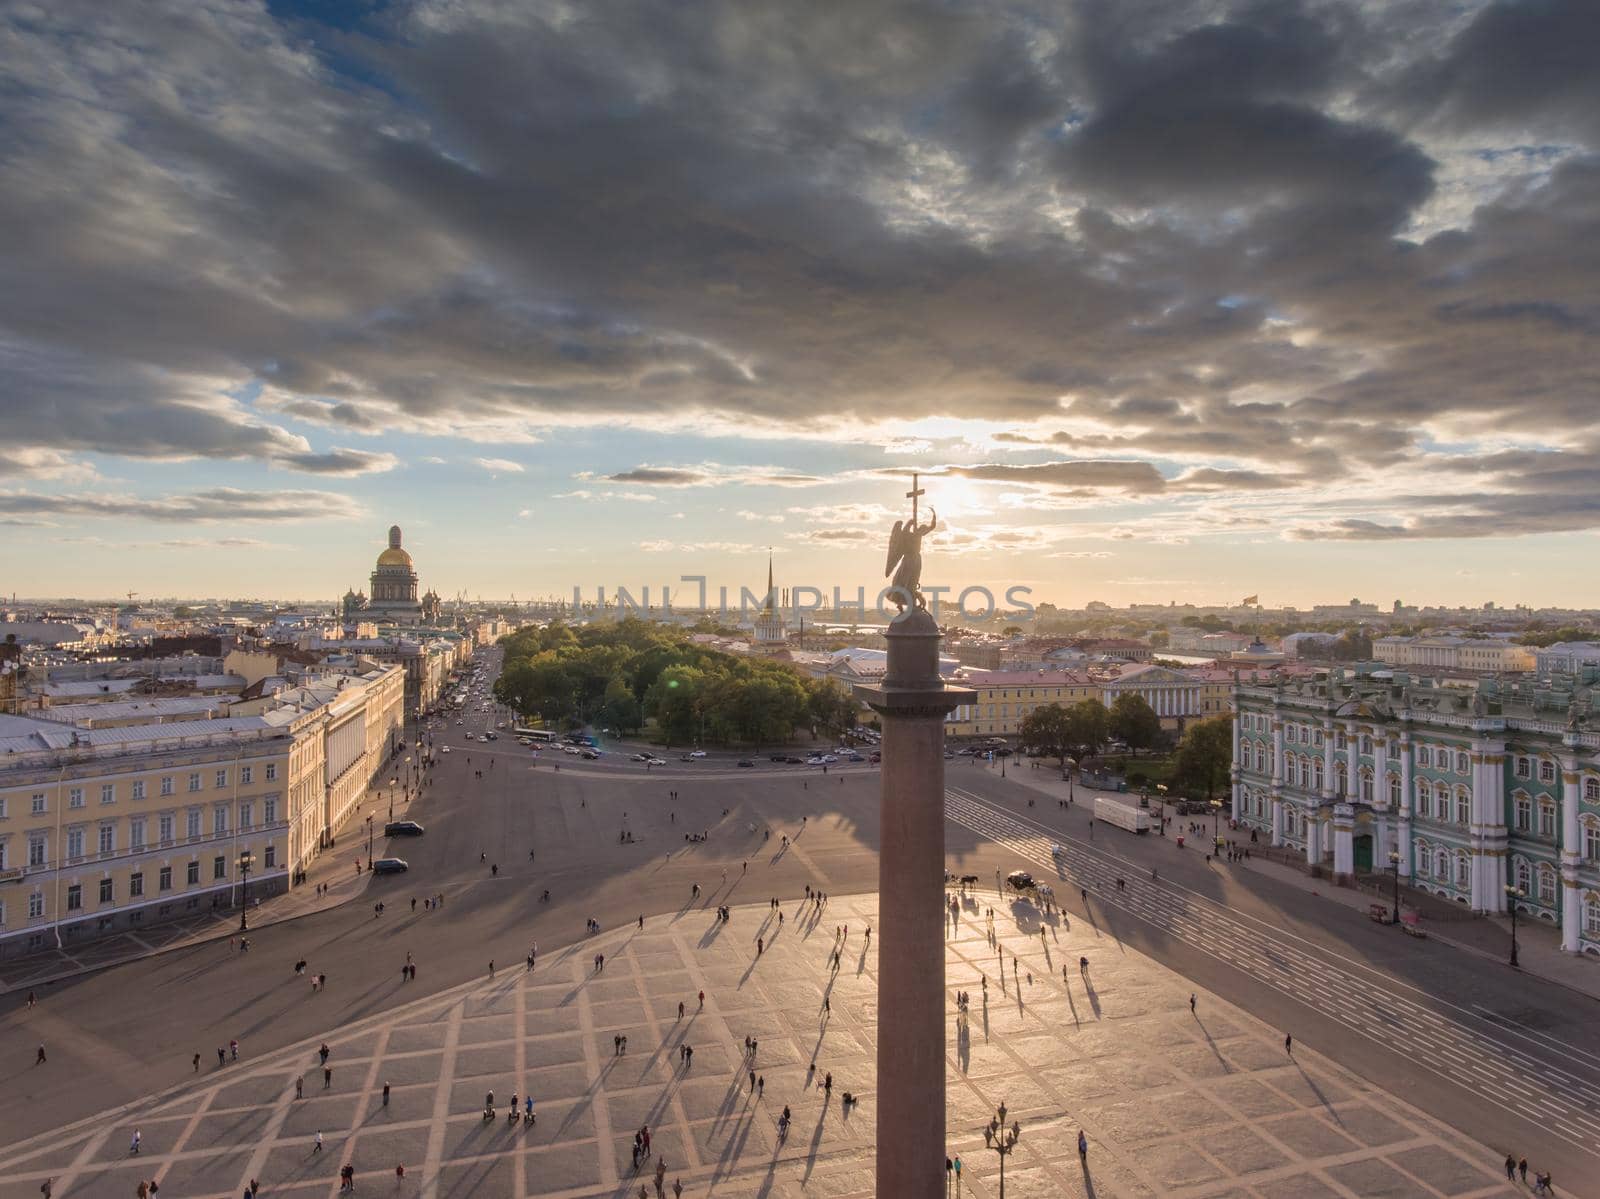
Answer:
(1523, 874)
(1547, 819)
(1522, 812)
(1591, 790)
(1547, 885)
(1463, 868)
(1591, 914)
(1463, 763)
(1547, 771)
(1366, 786)
(1463, 806)
(1339, 786)
(1394, 791)
(1524, 768)
(1424, 858)
(1591, 837)
(1424, 799)
(1366, 744)
(1441, 865)
(1424, 756)
(1316, 773)
(1305, 772)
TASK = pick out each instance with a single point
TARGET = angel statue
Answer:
(905, 548)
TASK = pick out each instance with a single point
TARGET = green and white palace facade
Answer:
(1487, 792)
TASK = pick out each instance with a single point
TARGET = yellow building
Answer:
(1004, 699)
(116, 827)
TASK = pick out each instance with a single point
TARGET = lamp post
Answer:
(246, 860)
(1216, 823)
(1068, 765)
(1394, 865)
(369, 840)
(1002, 1140)
(1161, 791)
(1513, 894)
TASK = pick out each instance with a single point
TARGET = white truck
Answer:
(1124, 815)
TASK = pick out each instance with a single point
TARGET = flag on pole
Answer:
(1251, 599)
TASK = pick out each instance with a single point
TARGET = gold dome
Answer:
(394, 556)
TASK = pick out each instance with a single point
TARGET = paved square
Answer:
(1173, 1103)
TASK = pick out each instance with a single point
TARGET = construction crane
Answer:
(131, 596)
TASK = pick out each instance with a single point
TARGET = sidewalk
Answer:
(1539, 949)
(332, 866)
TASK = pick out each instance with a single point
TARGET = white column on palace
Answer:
(1571, 849)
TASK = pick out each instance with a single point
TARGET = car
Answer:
(657, 761)
(402, 828)
(877, 757)
(1020, 881)
(461, 722)
(855, 757)
(685, 758)
(571, 749)
(829, 759)
(390, 866)
(589, 754)
(778, 758)
(1001, 751)
(524, 740)
(814, 760)
(491, 736)
(697, 754)
(745, 762)
(444, 749)
(949, 755)
(791, 760)
(646, 757)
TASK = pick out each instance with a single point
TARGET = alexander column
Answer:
(913, 702)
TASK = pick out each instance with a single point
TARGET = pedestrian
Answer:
(1288, 1044)
(197, 1063)
(1083, 1145)
(300, 1087)
(761, 1086)
(702, 999)
(31, 999)
(1522, 1167)
(47, 1187)
(680, 1009)
(491, 967)
(385, 1094)
(399, 1173)
(327, 1077)
(317, 1147)
(1191, 1003)
(233, 1049)
(1511, 1167)
(323, 1053)
(827, 1085)
(222, 1056)
(677, 1188)
(133, 1145)
(752, 1082)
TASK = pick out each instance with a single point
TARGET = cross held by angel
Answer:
(905, 554)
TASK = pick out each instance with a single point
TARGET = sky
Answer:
(1163, 300)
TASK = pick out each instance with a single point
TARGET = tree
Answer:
(1088, 726)
(619, 709)
(829, 708)
(1044, 730)
(1160, 639)
(1205, 756)
(1134, 722)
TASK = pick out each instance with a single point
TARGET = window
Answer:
(138, 789)
(1463, 763)
(269, 810)
(36, 906)
(2, 807)
(1366, 744)
(1547, 772)
(164, 878)
(1261, 758)
(271, 858)
(1524, 877)
(74, 843)
(1291, 734)
(1366, 787)
(244, 815)
(193, 873)
(1591, 842)
(1441, 866)
(166, 784)
(75, 898)
(1591, 790)
(1305, 773)
(1591, 917)
(219, 821)
(136, 834)
(1424, 799)
(194, 780)
(246, 774)
(107, 892)
(164, 825)
(1524, 768)
(1424, 858)
(1547, 886)
(219, 867)
(38, 849)
(75, 797)
(1394, 791)
(108, 838)
(1338, 741)
(1547, 819)
(1316, 773)
(108, 793)
(135, 885)
(1523, 813)
(1463, 868)
(194, 824)
(1424, 756)
(271, 771)
(222, 778)
(1463, 806)
(1392, 750)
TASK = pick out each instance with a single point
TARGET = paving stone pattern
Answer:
(1173, 1104)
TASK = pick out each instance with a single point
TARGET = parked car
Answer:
(402, 828)
(685, 758)
(390, 866)
(491, 736)
(855, 757)
(444, 749)
(746, 762)
(828, 759)
(657, 761)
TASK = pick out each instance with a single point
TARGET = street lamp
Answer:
(1068, 765)
(1161, 791)
(1002, 1140)
(1394, 864)
(1216, 824)
(1514, 894)
(369, 840)
(246, 860)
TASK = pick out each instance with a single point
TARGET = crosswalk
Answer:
(1474, 1050)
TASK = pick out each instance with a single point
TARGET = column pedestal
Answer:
(913, 702)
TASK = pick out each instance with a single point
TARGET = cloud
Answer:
(502, 466)
(775, 518)
(710, 475)
(212, 506)
(638, 497)
(36, 462)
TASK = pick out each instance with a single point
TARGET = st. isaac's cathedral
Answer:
(394, 591)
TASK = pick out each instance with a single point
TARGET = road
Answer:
(1510, 1063)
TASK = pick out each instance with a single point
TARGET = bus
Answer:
(541, 735)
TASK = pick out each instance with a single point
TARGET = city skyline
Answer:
(1164, 301)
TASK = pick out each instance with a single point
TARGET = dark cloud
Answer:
(212, 506)
(1187, 244)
